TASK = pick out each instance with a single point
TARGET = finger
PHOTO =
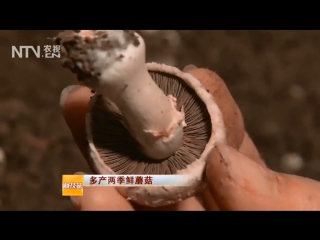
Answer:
(190, 204)
(100, 199)
(239, 183)
(248, 149)
(74, 103)
(208, 201)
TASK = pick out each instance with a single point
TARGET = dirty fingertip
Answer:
(66, 92)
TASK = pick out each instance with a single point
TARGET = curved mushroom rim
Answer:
(161, 196)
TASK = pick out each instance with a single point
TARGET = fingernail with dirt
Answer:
(65, 93)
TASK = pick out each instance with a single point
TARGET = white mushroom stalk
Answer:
(113, 63)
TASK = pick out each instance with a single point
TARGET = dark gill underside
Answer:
(119, 150)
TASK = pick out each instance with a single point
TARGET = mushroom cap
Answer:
(113, 151)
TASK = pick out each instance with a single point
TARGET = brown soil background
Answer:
(273, 75)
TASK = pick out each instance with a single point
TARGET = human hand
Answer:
(236, 179)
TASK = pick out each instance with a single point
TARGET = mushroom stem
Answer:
(116, 61)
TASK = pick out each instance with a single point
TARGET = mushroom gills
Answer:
(119, 150)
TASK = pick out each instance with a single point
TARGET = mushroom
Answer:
(147, 118)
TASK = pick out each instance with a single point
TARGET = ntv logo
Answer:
(23, 51)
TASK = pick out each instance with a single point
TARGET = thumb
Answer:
(100, 199)
(238, 183)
